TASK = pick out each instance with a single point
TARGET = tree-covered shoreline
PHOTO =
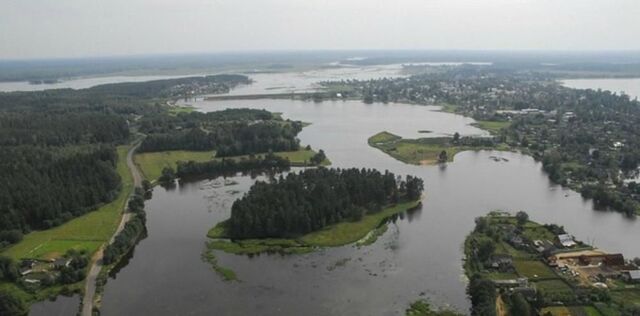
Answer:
(586, 139)
(304, 202)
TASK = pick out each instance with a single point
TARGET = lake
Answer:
(420, 256)
(630, 86)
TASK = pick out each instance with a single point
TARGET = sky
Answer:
(86, 28)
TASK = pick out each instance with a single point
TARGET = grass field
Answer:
(533, 269)
(86, 232)
(383, 137)
(626, 297)
(175, 110)
(151, 164)
(331, 236)
(421, 151)
(349, 232)
(554, 288)
(492, 126)
(300, 157)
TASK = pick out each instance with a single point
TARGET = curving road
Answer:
(96, 261)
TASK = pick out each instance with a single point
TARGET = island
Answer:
(520, 267)
(429, 150)
(314, 208)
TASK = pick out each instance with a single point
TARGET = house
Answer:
(61, 262)
(632, 276)
(543, 245)
(566, 240)
(501, 262)
(615, 260)
(516, 241)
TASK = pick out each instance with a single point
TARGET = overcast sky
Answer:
(80, 28)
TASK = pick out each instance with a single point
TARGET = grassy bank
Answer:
(493, 127)
(87, 232)
(331, 236)
(423, 308)
(151, 164)
(421, 151)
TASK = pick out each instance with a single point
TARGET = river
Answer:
(419, 256)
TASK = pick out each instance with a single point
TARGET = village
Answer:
(554, 272)
(66, 269)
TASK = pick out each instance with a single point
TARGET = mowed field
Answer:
(86, 232)
(151, 164)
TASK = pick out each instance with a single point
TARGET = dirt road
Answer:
(96, 261)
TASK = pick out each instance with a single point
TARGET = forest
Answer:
(57, 147)
(299, 203)
(187, 169)
(230, 132)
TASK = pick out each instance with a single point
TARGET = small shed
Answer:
(632, 276)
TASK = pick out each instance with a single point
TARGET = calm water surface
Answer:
(420, 255)
(630, 86)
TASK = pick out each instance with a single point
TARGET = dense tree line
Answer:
(312, 199)
(483, 297)
(61, 128)
(57, 147)
(225, 166)
(230, 132)
(44, 187)
(132, 231)
(12, 305)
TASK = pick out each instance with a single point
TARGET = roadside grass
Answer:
(533, 269)
(493, 127)
(331, 236)
(152, 163)
(86, 232)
